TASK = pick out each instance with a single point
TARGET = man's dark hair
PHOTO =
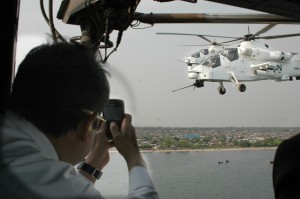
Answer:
(55, 83)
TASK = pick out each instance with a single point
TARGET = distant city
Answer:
(167, 138)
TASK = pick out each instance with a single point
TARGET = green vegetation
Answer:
(211, 138)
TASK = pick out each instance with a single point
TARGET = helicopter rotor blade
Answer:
(243, 18)
(231, 41)
(263, 30)
(218, 44)
(279, 36)
(183, 88)
(198, 35)
(195, 45)
(204, 37)
(224, 43)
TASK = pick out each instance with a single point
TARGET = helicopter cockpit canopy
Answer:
(195, 55)
(230, 53)
(204, 51)
(212, 61)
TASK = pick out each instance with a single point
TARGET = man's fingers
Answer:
(127, 119)
(102, 129)
(126, 123)
(114, 129)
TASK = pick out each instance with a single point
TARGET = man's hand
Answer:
(98, 156)
(126, 143)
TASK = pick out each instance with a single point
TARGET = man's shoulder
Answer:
(292, 141)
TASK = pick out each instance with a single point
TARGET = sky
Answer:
(145, 70)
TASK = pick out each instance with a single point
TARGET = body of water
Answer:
(195, 175)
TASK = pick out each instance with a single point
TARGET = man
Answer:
(286, 169)
(53, 124)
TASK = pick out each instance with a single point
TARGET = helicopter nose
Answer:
(193, 75)
(187, 60)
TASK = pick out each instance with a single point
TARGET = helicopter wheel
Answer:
(242, 87)
(222, 90)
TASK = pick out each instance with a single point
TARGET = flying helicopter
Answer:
(251, 60)
(197, 57)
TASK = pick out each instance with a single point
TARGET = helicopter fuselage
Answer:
(250, 61)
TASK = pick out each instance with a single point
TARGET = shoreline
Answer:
(201, 150)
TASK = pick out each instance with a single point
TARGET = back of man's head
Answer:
(55, 83)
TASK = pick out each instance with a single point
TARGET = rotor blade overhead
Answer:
(206, 39)
(279, 36)
(288, 8)
(198, 35)
(265, 29)
(218, 44)
(187, 34)
(235, 40)
(213, 18)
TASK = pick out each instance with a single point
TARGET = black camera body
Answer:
(114, 111)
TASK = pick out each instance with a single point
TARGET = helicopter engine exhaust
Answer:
(279, 56)
(262, 54)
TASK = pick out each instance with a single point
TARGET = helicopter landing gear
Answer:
(242, 87)
(221, 89)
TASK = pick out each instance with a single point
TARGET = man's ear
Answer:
(87, 128)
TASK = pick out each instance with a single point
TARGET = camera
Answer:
(113, 112)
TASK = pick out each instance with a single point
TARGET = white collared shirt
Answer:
(30, 167)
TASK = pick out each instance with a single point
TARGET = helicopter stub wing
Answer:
(264, 66)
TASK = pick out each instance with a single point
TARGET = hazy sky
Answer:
(145, 69)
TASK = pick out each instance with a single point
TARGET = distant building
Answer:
(191, 136)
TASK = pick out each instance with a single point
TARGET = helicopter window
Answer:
(213, 61)
(196, 55)
(230, 53)
(204, 51)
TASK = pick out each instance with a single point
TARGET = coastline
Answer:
(215, 149)
(201, 150)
